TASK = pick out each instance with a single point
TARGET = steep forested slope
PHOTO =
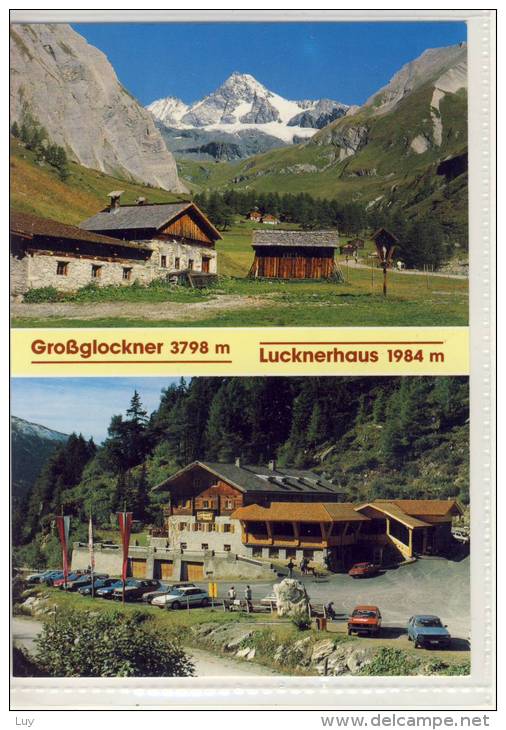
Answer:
(375, 437)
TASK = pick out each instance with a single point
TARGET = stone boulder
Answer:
(291, 598)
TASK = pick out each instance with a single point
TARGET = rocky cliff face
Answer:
(73, 91)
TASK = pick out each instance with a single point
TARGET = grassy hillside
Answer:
(385, 171)
(36, 188)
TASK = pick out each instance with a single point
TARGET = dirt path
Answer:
(408, 272)
(139, 310)
(25, 630)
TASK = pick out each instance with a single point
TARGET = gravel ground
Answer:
(139, 310)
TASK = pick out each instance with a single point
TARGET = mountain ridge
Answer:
(32, 445)
(73, 91)
(243, 104)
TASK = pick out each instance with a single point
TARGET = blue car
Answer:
(39, 577)
(55, 575)
(427, 631)
(97, 583)
(108, 591)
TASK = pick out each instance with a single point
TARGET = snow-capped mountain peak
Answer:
(243, 103)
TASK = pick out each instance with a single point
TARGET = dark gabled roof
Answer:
(147, 217)
(252, 478)
(30, 226)
(306, 239)
(386, 232)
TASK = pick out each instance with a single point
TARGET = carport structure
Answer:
(415, 526)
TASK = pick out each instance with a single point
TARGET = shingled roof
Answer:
(33, 226)
(305, 239)
(148, 217)
(300, 511)
(252, 478)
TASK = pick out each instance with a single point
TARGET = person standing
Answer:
(290, 567)
(248, 596)
(231, 593)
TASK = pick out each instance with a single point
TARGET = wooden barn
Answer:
(295, 255)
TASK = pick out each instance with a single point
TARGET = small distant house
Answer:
(348, 249)
(255, 215)
(357, 243)
(295, 255)
(180, 235)
(270, 219)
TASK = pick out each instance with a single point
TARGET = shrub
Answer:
(42, 294)
(302, 621)
(109, 645)
(390, 662)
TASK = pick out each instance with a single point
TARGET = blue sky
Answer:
(344, 61)
(83, 405)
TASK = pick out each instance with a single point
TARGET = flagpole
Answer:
(64, 548)
(123, 577)
(92, 557)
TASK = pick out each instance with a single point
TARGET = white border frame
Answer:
(477, 691)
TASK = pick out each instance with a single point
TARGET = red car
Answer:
(365, 620)
(364, 570)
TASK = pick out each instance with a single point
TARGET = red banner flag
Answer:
(125, 525)
(63, 525)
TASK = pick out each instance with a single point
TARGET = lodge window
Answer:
(204, 546)
(228, 528)
(273, 552)
(62, 268)
(163, 262)
(256, 552)
(127, 273)
(177, 262)
(205, 504)
(291, 553)
(182, 526)
(309, 554)
(211, 527)
(227, 548)
(96, 271)
(190, 264)
(229, 504)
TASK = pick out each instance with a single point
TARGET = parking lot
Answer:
(431, 586)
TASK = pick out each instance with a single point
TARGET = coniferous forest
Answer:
(376, 437)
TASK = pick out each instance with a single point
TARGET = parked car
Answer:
(148, 597)
(107, 591)
(365, 620)
(49, 579)
(38, 577)
(60, 582)
(85, 590)
(135, 589)
(426, 631)
(182, 597)
(82, 581)
(364, 570)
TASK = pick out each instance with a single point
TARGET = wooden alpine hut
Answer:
(295, 255)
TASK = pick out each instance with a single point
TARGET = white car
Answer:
(181, 598)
